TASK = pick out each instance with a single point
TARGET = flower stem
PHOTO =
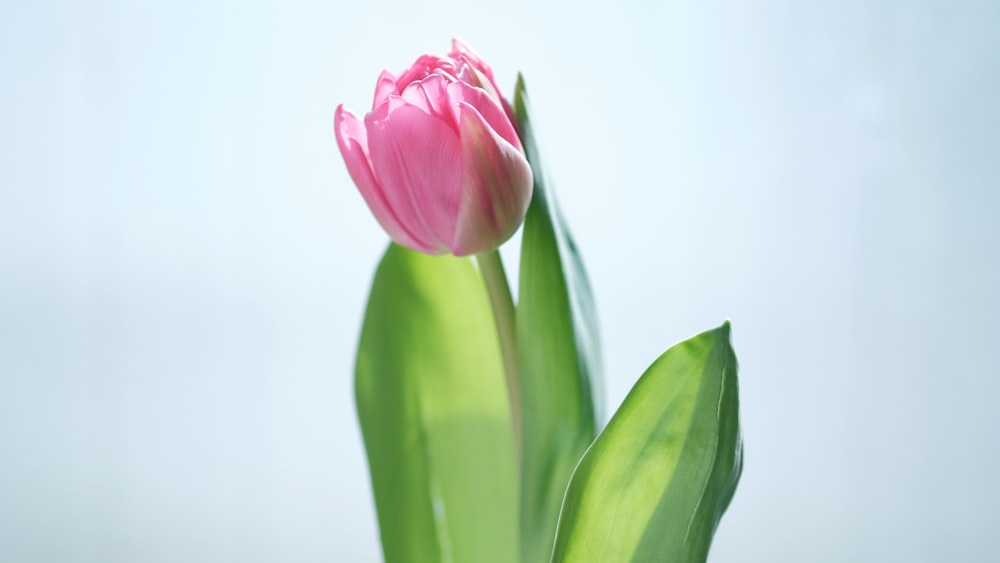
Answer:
(491, 268)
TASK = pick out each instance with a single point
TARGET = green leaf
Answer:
(656, 481)
(434, 413)
(559, 353)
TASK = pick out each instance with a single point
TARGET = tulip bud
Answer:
(437, 159)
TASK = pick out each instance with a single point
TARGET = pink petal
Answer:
(484, 74)
(460, 50)
(353, 140)
(431, 95)
(488, 107)
(497, 185)
(386, 85)
(418, 160)
(424, 66)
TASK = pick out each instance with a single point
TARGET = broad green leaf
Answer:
(655, 483)
(559, 353)
(434, 413)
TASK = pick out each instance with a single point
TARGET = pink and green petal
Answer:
(497, 185)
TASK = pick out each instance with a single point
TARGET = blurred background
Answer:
(184, 261)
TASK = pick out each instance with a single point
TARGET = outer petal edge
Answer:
(352, 141)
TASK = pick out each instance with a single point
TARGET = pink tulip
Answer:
(437, 159)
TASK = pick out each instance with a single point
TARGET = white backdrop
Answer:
(184, 261)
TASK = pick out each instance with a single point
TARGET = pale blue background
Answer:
(184, 261)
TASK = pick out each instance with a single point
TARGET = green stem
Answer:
(491, 268)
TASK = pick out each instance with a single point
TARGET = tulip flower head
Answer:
(437, 159)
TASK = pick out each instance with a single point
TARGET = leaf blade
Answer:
(434, 414)
(655, 483)
(559, 353)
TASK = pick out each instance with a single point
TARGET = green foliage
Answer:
(655, 483)
(434, 413)
(559, 353)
